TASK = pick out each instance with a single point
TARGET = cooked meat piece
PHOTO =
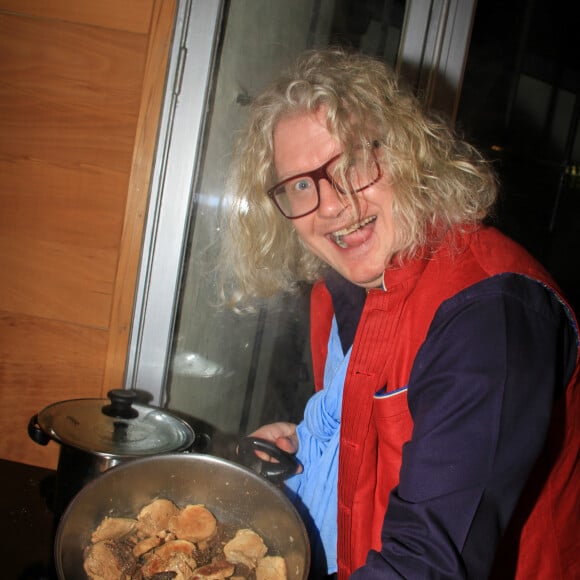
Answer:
(174, 547)
(113, 529)
(246, 548)
(173, 553)
(109, 560)
(145, 545)
(182, 565)
(177, 563)
(271, 568)
(168, 543)
(154, 517)
(203, 545)
(217, 570)
(194, 523)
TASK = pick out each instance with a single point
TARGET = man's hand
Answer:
(283, 435)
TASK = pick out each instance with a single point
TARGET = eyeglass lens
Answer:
(299, 195)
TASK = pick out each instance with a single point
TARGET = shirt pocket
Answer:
(390, 404)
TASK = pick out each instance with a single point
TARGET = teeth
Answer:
(337, 236)
(354, 227)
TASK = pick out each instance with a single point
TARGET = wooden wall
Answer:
(81, 84)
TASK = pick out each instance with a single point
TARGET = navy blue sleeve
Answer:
(480, 393)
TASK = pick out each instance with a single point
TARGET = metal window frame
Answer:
(433, 50)
(189, 78)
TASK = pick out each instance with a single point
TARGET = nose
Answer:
(332, 202)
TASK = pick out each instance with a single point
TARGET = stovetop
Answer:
(28, 522)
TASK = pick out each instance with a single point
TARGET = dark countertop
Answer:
(29, 523)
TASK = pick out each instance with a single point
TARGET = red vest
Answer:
(393, 325)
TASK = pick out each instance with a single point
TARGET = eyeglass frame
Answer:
(316, 175)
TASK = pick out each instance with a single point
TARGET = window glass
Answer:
(232, 373)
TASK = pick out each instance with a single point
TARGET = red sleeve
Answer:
(321, 313)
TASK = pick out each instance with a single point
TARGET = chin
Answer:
(368, 281)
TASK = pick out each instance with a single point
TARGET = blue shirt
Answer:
(315, 490)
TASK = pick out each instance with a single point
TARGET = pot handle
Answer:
(36, 433)
(201, 443)
(282, 467)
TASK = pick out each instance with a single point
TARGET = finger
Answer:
(288, 444)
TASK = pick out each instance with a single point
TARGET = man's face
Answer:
(357, 244)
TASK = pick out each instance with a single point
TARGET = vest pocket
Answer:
(393, 424)
(389, 404)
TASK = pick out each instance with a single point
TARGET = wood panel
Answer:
(43, 362)
(80, 93)
(72, 96)
(34, 283)
(128, 15)
(62, 204)
(71, 110)
(73, 65)
(60, 226)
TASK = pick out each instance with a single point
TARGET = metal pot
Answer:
(97, 434)
(235, 495)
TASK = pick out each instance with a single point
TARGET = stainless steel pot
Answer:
(97, 434)
(235, 495)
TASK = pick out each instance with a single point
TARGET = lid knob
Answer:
(120, 407)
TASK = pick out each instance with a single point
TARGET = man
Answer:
(442, 440)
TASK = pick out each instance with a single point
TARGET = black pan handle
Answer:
(36, 433)
(201, 443)
(282, 467)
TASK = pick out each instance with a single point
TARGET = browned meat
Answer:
(154, 517)
(113, 529)
(173, 556)
(109, 560)
(217, 570)
(182, 565)
(143, 546)
(194, 523)
(245, 548)
(165, 542)
(174, 547)
(271, 568)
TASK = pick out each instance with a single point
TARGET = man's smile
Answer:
(338, 236)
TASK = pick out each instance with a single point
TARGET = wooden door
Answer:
(81, 85)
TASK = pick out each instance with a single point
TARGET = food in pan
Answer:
(166, 542)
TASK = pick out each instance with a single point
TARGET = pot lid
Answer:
(115, 427)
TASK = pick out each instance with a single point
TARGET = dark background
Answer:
(519, 104)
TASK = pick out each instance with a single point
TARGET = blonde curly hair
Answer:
(440, 181)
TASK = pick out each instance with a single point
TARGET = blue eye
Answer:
(301, 185)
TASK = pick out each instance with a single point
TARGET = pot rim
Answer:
(80, 424)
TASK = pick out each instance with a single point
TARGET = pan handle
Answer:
(282, 467)
(36, 433)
